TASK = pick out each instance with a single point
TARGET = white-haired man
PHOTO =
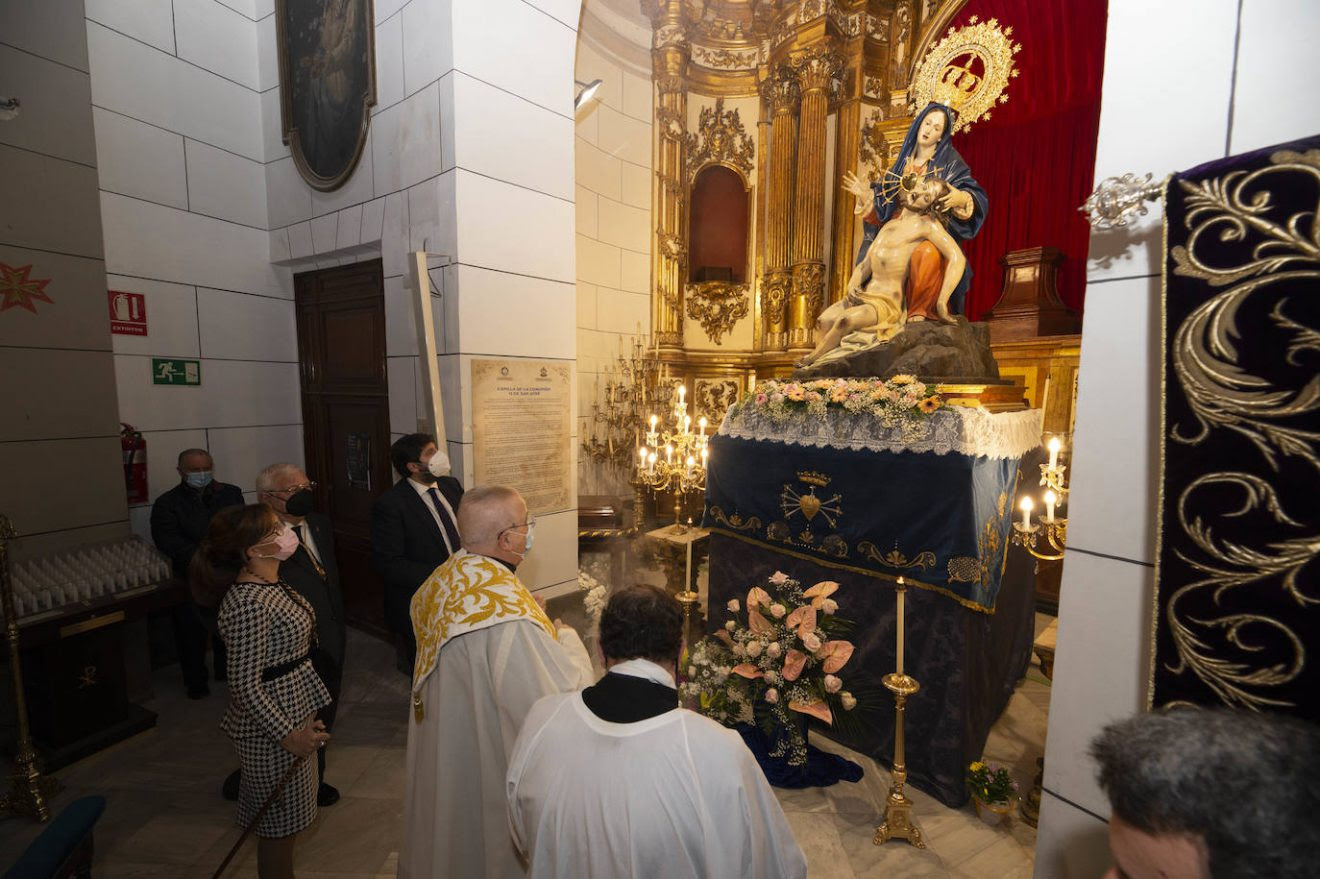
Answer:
(486, 652)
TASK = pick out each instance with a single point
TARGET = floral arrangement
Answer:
(893, 400)
(990, 783)
(780, 654)
(597, 594)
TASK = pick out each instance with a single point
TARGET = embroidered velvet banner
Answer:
(1237, 615)
(841, 496)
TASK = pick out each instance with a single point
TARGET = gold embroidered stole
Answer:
(466, 593)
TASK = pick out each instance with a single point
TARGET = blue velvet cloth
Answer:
(947, 164)
(821, 768)
(49, 851)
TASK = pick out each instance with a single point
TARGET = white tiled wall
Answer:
(1165, 106)
(613, 211)
(57, 405)
(180, 91)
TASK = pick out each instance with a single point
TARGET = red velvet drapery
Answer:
(1035, 156)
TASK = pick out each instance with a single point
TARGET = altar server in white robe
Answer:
(618, 781)
(486, 652)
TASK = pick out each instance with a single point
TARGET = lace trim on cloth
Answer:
(957, 430)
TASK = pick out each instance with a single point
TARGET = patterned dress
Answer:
(265, 626)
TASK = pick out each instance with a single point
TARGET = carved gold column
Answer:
(815, 68)
(780, 90)
(847, 143)
(669, 59)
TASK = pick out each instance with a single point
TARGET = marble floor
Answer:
(165, 816)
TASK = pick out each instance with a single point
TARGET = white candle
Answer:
(654, 419)
(701, 423)
(682, 392)
(899, 618)
(1050, 500)
(642, 453)
(687, 578)
(669, 454)
(1054, 447)
(1026, 506)
(650, 460)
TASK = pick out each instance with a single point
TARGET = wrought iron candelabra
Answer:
(673, 458)
(1053, 528)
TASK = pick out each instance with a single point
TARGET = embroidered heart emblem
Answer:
(810, 505)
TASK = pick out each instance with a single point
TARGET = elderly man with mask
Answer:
(179, 520)
(413, 529)
(486, 652)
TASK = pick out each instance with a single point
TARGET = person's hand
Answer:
(860, 190)
(304, 740)
(958, 202)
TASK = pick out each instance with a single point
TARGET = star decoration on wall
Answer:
(19, 291)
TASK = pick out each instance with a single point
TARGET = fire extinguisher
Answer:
(135, 463)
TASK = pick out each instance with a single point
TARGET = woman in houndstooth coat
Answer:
(274, 693)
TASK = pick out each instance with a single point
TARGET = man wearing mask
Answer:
(413, 530)
(478, 673)
(314, 574)
(179, 520)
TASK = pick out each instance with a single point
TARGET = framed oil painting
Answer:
(327, 57)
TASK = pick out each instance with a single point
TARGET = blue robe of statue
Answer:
(951, 167)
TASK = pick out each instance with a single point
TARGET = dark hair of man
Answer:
(1247, 784)
(407, 449)
(223, 551)
(186, 452)
(642, 622)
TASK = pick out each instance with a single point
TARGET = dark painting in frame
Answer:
(327, 58)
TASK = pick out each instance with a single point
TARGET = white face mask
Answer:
(438, 465)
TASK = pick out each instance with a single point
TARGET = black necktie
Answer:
(451, 532)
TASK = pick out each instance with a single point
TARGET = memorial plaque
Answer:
(521, 430)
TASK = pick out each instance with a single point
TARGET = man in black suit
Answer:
(179, 520)
(413, 530)
(313, 572)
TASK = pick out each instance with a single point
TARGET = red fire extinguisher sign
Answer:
(128, 313)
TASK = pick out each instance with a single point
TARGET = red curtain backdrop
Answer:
(1035, 156)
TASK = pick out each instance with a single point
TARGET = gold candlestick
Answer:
(30, 788)
(897, 821)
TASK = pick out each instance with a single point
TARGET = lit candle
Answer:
(701, 423)
(899, 616)
(682, 392)
(687, 423)
(1054, 447)
(642, 453)
(1026, 506)
(669, 454)
(1050, 500)
(650, 459)
(704, 453)
(653, 421)
(690, 462)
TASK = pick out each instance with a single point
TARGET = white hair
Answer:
(484, 512)
(267, 478)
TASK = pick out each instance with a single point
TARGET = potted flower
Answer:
(993, 791)
(775, 663)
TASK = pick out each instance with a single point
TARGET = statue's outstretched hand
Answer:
(860, 190)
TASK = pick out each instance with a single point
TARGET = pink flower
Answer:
(733, 605)
(813, 397)
(832, 684)
(757, 596)
(849, 700)
(779, 578)
(772, 695)
(754, 648)
(761, 399)
(773, 650)
(803, 619)
(777, 611)
(836, 655)
(746, 670)
(776, 397)
(815, 709)
(811, 641)
(794, 660)
(828, 605)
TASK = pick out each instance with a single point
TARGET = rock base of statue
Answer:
(931, 350)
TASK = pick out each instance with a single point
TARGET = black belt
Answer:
(271, 672)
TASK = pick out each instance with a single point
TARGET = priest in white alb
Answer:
(617, 781)
(486, 652)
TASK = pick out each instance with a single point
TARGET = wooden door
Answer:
(346, 417)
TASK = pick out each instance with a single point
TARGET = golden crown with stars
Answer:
(967, 71)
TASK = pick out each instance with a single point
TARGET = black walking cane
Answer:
(265, 807)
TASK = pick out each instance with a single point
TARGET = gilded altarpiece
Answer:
(790, 96)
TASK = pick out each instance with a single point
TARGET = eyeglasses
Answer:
(293, 489)
(529, 525)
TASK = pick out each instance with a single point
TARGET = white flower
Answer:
(692, 671)
(754, 648)
(778, 611)
(849, 701)
(829, 605)
(739, 650)
(733, 605)
(772, 695)
(773, 650)
(811, 641)
(772, 677)
(730, 626)
(832, 684)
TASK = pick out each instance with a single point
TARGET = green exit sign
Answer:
(166, 371)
